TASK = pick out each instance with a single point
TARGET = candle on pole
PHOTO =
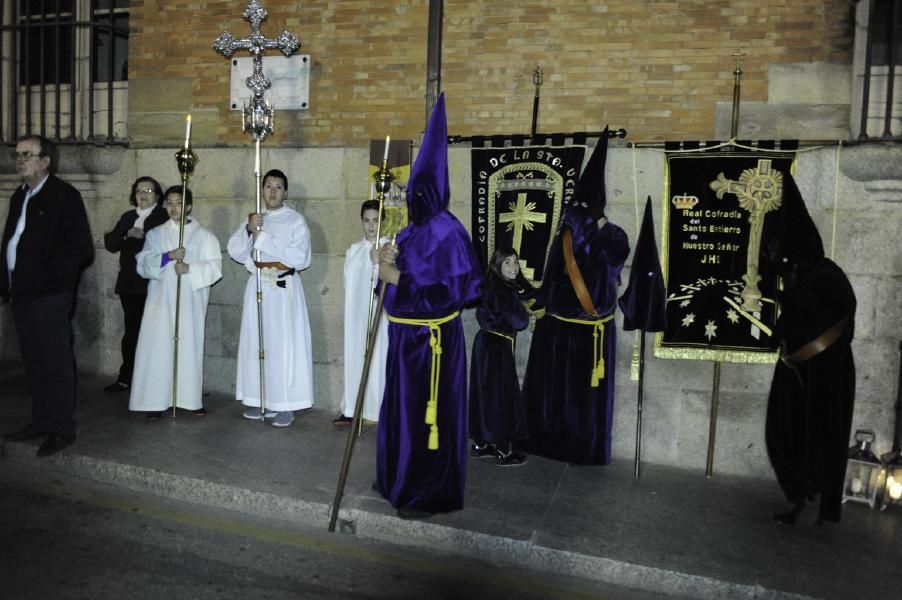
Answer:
(188, 132)
(385, 156)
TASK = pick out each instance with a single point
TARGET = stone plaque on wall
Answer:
(290, 82)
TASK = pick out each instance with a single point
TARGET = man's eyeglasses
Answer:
(145, 191)
(25, 155)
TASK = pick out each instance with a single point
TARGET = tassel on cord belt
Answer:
(435, 343)
(597, 343)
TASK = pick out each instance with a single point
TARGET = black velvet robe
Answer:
(809, 410)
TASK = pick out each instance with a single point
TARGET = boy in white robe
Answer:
(361, 273)
(199, 262)
(281, 236)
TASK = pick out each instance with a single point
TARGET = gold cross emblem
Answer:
(759, 191)
(521, 217)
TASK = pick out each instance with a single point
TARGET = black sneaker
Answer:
(486, 451)
(511, 459)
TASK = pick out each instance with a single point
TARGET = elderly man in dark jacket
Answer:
(46, 243)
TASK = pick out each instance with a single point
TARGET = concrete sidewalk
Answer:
(672, 531)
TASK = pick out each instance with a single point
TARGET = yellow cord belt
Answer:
(597, 343)
(511, 339)
(435, 343)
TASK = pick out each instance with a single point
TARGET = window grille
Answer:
(64, 69)
(878, 70)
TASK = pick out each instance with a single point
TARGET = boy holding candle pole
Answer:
(162, 261)
(361, 273)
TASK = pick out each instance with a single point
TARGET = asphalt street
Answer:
(63, 537)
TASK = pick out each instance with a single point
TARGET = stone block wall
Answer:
(327, 186)
(659, 69)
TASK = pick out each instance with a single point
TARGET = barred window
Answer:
(877, 100)
(64, 69)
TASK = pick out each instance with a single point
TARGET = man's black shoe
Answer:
(25, 434)
(55, 442)
(116, 386)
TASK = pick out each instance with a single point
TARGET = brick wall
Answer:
(656, 68)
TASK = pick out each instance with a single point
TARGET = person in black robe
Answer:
(127, 238)
(497, 418)
(809, 410)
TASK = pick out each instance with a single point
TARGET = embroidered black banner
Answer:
(720, 293)
(519, 195)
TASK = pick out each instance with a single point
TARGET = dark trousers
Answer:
(132, 311)
(45, 337)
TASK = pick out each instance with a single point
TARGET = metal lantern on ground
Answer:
(892, 461)
(862, 470)
(892, 490)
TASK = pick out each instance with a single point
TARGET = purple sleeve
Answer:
(612, 244)
(439, 271)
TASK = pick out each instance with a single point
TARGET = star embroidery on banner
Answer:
(685, 303)
(732, 316)
(688, 320)
(710, 330)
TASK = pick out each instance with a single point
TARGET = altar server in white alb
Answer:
(281, 235)
(199, 261)
(361, 272)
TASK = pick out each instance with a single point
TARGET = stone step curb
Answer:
(388, 528)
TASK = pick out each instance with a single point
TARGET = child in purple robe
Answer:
(497, 418)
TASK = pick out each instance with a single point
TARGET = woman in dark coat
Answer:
(497, 418)
(127, 238)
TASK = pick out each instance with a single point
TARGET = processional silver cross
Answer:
(759, 191)
(258, 117)
(258, 120)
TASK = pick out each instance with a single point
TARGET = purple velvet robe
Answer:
(496, 406)
(568, 419)
(440, 274)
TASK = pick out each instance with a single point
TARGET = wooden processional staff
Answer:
(383, 180)
(257, 119)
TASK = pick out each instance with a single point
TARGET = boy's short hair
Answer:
(369, 205)
(177, 189)
(278, 175)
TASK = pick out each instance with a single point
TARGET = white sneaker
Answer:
(283, 419)
(255, 414)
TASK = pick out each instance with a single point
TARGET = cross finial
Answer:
(256, 43)
(738, 53)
